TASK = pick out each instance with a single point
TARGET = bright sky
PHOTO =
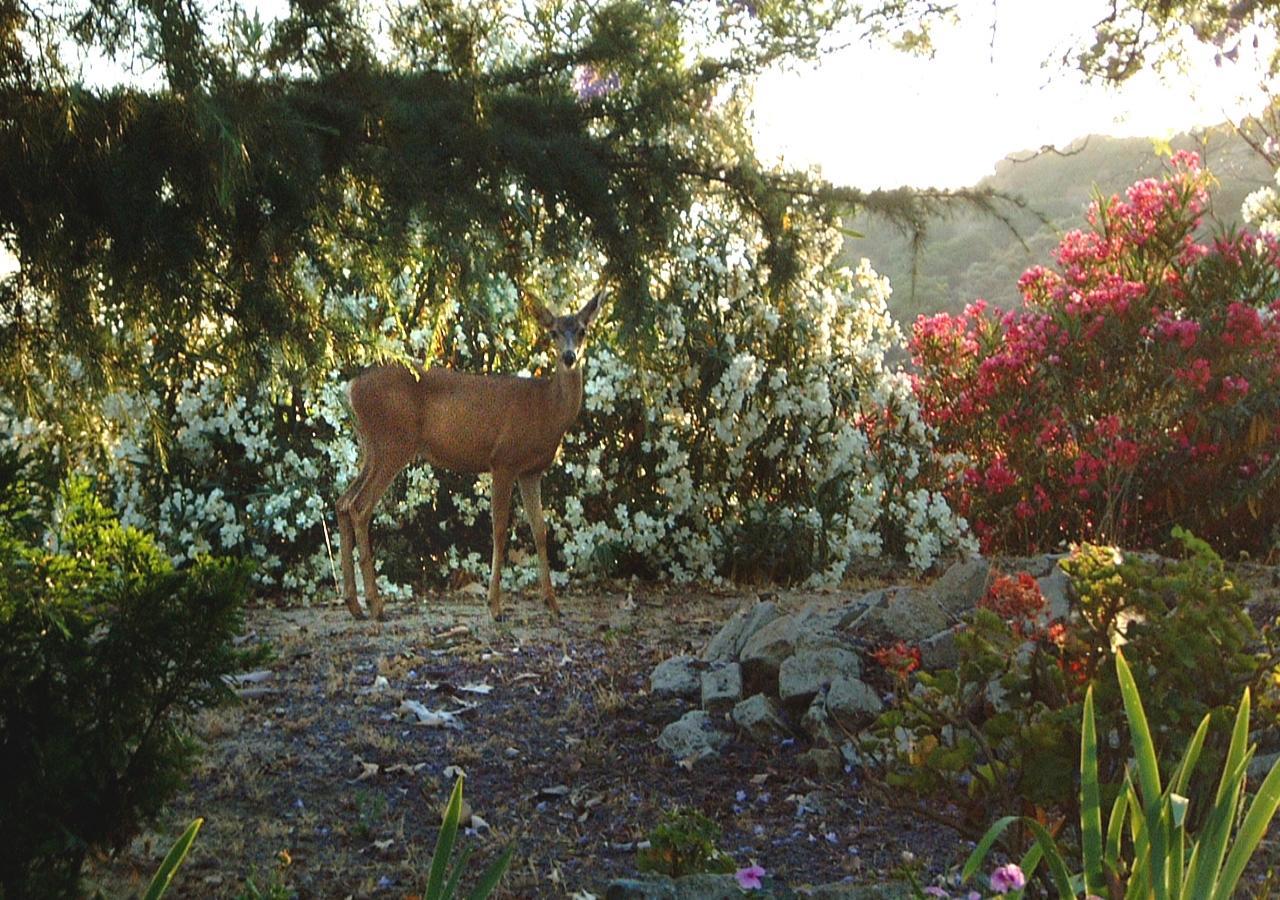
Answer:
(880, 118)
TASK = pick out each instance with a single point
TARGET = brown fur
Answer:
(503, 424)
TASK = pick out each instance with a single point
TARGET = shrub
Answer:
(1137, 386)
(994, 735)
(684, 843)
(1162, 857)
(107, 649)
(755, 430)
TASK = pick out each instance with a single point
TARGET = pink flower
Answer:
(749, 878)
(1008, 878)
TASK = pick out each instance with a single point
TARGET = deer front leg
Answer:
(531, 495)
(501, 523)
(347, 537)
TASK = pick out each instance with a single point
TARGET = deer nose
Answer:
(568, 357)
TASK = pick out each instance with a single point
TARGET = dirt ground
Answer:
(315, 785)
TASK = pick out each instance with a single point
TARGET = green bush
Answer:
(684, 843)
(996, 733)
(107, 650)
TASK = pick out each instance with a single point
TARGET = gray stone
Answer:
(824, 762)
(1056, 588)
(1259, 766)
(962, 586)
(852, 702)
(818, 725)
(820, 629)
(909, 615)
(761, 719)
(729, 641)
(939, 651)
(841, 891)
(764, 652)
(803, 675)
(676, 677)
(692, 736)
(690, 887)
(721, 688)
(860, 611)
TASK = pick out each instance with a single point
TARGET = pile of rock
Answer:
(773, 675)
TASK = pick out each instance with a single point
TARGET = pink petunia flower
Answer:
(1008, 878)
(749, 878)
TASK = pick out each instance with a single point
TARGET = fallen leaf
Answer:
(433, 718)
(454, 772)
(367, 770)
(477, 687)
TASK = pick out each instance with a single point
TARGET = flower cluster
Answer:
(1137, 386)
(756, 432)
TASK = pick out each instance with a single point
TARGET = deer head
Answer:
(569, 333)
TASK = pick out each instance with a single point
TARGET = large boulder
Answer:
(761, 719)
(678, 676)
(851, 703)
(693, 736)
(721, 688)
(729, 641)
(803, 675)
(939, 651)
(1056, 588)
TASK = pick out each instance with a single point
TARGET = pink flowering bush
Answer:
(1138, 386)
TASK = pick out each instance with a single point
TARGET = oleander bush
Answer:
(997, 734)
(108, 649)
(1138, 386)
(756, 430)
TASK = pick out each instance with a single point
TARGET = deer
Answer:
(509, 426)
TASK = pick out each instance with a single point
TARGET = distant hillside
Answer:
(972, 256)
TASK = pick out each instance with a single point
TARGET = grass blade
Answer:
(1057, 866)
(173, 859)
(1212, 846)
(984, 847)
(444, 843)
(1252, 829)
(1090, 801)
(492, 875)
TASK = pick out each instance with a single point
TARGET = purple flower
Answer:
(589, 83)
(1008, 878)
(749, 878)
(934, 891)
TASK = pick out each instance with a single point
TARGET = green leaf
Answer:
(984, 846)
(492, 875)
(1250, 834)
(177, 853)
(444, 844)
(1090, 801)
(1057, 865)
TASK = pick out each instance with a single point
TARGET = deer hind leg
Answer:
(347, 533)
(531, 495)
(379, 475)
(501, 524)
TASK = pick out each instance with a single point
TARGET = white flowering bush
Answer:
(753, 432)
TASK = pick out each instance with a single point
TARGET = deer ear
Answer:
(544, 317)
(588, 313)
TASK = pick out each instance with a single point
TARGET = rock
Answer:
(860, 611)
(962, 586)
(803, 675)
(692, 736)
(817, 724)
(909, 615)
(1056, 588)
(841, 891)
(721, 688)
(820, 629)
(729, 641)
(690, 887)
(1259, 766)
(824, 762)
(764, 652)
(939, 651)
(852, 702)
(760, 717)
(676, 677)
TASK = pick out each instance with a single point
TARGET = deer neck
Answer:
(566, 392)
